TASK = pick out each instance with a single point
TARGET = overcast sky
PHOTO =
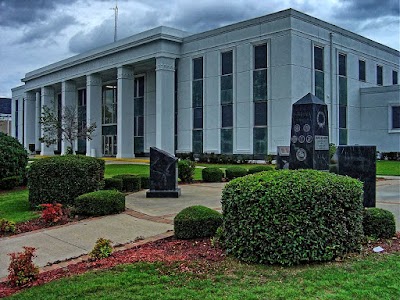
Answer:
(35, 33)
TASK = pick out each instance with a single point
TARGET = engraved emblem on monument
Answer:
(302, 139)
(294, 139)
(296, 128)
(306, 128)
(309, 139)
(321, 119)
(301, 154)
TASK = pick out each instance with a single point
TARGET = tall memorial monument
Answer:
(309, 141)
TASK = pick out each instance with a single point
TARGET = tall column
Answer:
(165, 113)
(29, 119)
(93, 113)
(125, 95)
(47, 94)
(69, 102)
(37, 122)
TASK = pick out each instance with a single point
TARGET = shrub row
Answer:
(378, 223)
(290, 217)
(127, 182)
(100, 203)
(214, 174)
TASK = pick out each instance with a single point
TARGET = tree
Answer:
(64, 125)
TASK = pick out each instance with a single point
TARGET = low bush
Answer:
(102, 249)
(378, 223)
(145, 181)
(186, 170)
(52, 213)
(235, 172)
(196, 221)
(8, 183)
(6, 226)
(100, 203)
(64, 178)
(113, 184)
(212, 174)
(22, 270)
(292, 216)
(130, 182)
(258, 169)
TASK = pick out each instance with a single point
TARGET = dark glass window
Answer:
(198, 117)
(198, 68)
(226, 89)
(361, 70)
(260, 56)
(260, 114)
(16, 119)
(226, 140)
(342, 136)
(197, 93)
(395, 117)
(395, 77)
(342, 90)
(379, 75)
(319, 85)
(342, 116)
(260, 141)
(138, 115)
(227, 115)
(318, 58)
(197, 146)
(227, 63)
(260, 85)
(342, 65)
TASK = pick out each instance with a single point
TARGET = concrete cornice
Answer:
(158, 33)
(380, 89)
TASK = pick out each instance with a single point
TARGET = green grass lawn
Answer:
(14, 206)
(375, 277)
(388, 167)
(116, 169)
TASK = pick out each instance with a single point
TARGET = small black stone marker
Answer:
(163, 175)
(309, 142)
(358, 162)
(282, 157)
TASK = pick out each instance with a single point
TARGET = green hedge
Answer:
(13, 158)
(235, 172)
(186, 170)
(8, 183)
(289, 217)
(130, 182)
(100, 203)
(379, 223)
(196, 221)
(62, 178)
(145, 181)
(113, 184)
(212, 174)
(258, 169)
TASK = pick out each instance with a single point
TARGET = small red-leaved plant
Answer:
(52, 213)
(22, 270)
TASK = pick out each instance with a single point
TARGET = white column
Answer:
(69, 101)
(93, 113)
(125, 95)
(165, 113)
(47, 94)
(13, 115)
(37, 121)
(29, 119)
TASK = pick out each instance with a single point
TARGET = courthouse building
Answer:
(227, 90)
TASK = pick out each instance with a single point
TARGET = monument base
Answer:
(163, 194)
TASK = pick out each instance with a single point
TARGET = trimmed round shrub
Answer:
(258, 169)
(212, 174)
(292, 216)
(62, 178)
(8, 183)
(144, 181)
(113, 184)
(100, 203)
(196, 222)
(186, 170)
(235, 172)
(13, 159)
(379, 223)
(130, 182)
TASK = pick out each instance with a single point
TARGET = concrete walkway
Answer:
(143, 218)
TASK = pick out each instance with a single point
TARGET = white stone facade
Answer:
(228, 90)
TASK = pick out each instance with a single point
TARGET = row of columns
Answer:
(165, 68)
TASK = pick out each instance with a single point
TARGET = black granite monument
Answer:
(358, 162)
(163, 175)
(282, 157)
(309, 142)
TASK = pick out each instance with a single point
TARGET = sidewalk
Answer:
(144, 218)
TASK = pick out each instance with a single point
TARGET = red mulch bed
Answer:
(167, 250)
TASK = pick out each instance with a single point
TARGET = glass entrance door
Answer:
(109, 145)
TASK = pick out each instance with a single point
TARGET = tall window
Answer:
(227, 102)
(379, 75)
(59, 113)
(197, 104)
(319, 72)
(16, 119)
(81, 119)
(361, 70)
(395, 77)
(342, 99)
(138, 115)
(395, 117)
(109, 120)
(260, 100)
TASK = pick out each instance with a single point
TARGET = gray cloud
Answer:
(368, 9)
(22, 12)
